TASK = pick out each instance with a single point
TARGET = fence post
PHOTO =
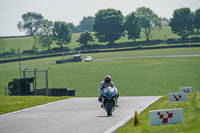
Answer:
(35, 75)
(47, 80)
(24, 73)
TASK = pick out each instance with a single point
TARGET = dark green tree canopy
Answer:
(196, 21)
(73, 28)
(165, 21)
(181, 23)
(132, 26)
(2, 43)
(31, 23)
(46, 34)
(148, 20)
(61, 33)
(86, 24)
(85, 37)
(108, 25)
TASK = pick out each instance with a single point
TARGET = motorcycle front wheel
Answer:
(109, 108)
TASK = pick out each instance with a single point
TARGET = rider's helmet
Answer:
(107, 79)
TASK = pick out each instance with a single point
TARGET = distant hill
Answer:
(12, 43)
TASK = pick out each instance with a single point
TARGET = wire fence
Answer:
(41, 78)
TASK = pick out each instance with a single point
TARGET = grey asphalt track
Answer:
(74, 115)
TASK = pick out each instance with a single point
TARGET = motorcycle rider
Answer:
(106, 83)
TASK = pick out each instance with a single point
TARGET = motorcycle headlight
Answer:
(108, 94)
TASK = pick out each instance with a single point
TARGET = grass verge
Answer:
(154, 76)
(191, 117)
(14, 103)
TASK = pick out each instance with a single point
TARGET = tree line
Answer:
(109, 25)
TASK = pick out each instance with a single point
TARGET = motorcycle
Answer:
(109, 100)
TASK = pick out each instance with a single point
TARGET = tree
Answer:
(132, 26)
(165, 21)
(86, 24)
(181, 23)
(31, 23)
(108, 25)
(2, 43)
(46, 34)
(148, 20)
(196, 21)
(61, 33)
(34, 48)
(85, 37)
(73, 28)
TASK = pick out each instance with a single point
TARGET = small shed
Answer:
(77, 57)
(21, 86)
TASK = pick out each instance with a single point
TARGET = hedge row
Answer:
(140, 43)
(97, 46)
(99, 51)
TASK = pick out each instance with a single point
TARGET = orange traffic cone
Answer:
(136, 120)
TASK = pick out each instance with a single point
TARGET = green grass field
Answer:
(26, 43)
(132, 76)
(13, 103)
(191, 117)
(162, 34)
(132, 73)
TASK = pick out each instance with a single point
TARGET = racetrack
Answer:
(74, 115)
(153, 56)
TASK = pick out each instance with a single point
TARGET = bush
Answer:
(195, 39)
(7, 55)
(171, 41)
(183, 40)
(12, 51)
(57, 50)
(28, 52)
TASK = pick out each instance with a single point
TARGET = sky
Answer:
(73, 11)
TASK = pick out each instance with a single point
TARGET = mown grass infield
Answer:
(14, 103)
(191, 117)
(134, 74)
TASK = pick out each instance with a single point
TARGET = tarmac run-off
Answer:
(74, 115)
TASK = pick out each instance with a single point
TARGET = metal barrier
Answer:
(34, 73)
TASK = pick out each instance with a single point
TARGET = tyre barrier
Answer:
(56, 92)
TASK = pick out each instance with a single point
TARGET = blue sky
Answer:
(74, 10)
